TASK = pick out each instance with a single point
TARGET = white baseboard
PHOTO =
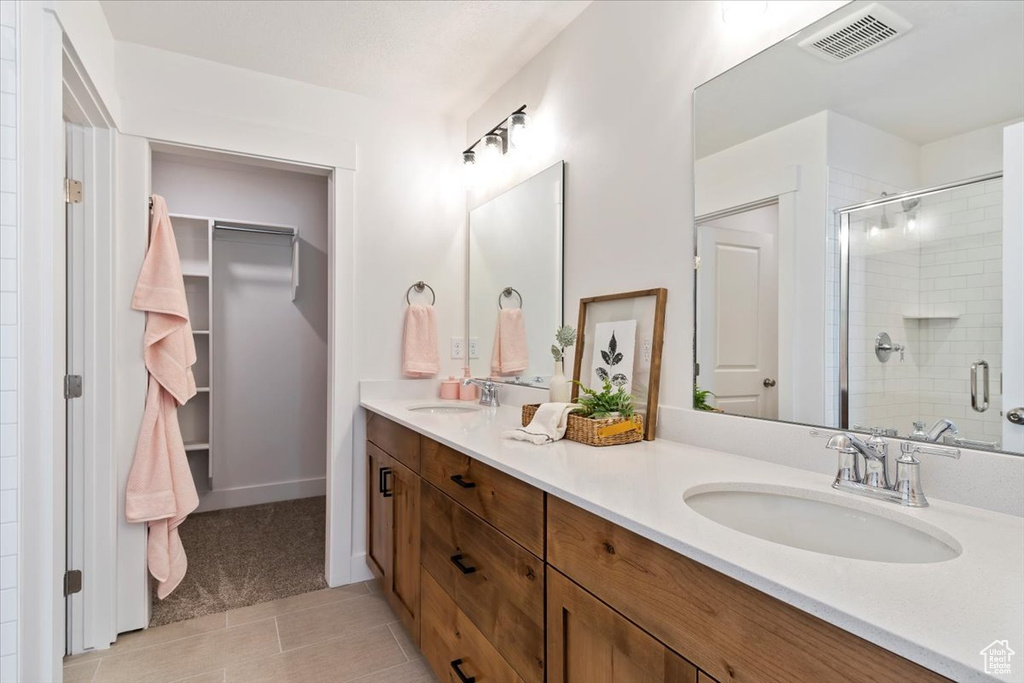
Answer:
(222, 499)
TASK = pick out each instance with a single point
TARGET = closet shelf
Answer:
(200, 332)
(933, 315)
(197, 447)
(195, 273)
(203, 390)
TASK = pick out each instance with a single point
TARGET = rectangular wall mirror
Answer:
(849, 228)
(515, 261)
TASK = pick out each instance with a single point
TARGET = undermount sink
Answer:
(443, 409)
(821, 523)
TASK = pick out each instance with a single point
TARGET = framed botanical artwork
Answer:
(620, 340)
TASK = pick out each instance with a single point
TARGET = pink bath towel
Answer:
(160, 488)
(510, 356)
(420, 357)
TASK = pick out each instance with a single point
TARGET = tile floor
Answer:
(337, 635)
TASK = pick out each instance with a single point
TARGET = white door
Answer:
(737, 312)
(1013, 288)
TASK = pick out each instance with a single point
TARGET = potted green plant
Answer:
(560, 387)
(700, 399)
(609, 402)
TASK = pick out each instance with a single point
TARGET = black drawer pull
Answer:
(457, 561)
(457, 478)
(384, 472)
(456, 664)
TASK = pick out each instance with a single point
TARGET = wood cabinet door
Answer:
(402, 486)
(378, 512)
(589, 642)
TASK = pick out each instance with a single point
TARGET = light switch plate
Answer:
(474, 348)
(458, 347)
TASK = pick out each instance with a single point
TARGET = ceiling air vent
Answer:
(866, 29)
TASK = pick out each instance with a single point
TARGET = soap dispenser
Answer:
(450, 388)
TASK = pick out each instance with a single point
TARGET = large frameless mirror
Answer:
(515, 280)
(850, 231)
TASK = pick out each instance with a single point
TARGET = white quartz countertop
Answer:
(940, 615)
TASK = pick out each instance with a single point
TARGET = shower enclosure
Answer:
(920, 342)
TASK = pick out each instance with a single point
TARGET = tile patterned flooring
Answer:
(337, 635)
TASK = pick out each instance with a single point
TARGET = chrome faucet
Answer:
(488, 391)
(875, 482)
(937, 431)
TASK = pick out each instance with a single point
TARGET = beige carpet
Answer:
(246, 556)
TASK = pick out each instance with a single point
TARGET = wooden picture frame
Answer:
(611, 307)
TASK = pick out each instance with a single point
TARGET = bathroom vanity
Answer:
(509, 562)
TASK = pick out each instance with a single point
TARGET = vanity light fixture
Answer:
(509, 134)
(518, 132)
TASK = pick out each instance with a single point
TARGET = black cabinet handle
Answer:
(457, 478)
(457, 561)
(384, 472)
(380, 480)
(456, 664)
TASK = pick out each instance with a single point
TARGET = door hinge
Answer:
(72, 582)
(696, 368)
(696, 262)
(72, 386)
(72, 191)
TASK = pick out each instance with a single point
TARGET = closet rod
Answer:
(291, 232)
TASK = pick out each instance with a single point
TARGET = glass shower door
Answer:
(923, 314)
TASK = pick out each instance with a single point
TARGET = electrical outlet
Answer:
(474, 348)
(646, 350)
(458, 347)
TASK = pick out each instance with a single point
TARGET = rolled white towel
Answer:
(547, 426)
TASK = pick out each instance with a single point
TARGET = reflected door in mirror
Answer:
(737, 311)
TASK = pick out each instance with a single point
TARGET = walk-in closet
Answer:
(252, 239)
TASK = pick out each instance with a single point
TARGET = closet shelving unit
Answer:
(195, 238)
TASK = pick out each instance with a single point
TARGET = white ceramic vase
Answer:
(561, 387)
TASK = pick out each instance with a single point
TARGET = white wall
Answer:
(269, 355)
(611, 95)
(9, 452)
(967, 155)
(409, 190)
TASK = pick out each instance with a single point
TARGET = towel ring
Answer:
(508, 292)
(419, 287)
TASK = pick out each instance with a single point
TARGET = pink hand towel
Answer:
(420, 357)
(510, 356)
(160, 489)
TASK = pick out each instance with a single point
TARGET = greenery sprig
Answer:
(602, 404)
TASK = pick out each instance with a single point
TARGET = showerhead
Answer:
(910, 204)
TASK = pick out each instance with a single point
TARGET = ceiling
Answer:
(959, 68)
(443, 56)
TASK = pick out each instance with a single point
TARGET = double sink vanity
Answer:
(662, 561)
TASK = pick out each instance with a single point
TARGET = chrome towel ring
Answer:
(419, 287)
(508, 292)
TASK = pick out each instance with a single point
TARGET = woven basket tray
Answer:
(588, 431)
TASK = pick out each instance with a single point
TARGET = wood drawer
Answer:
(732, 631)
(399, 442)
(514, 507)
(449, 637)
(500, 586)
